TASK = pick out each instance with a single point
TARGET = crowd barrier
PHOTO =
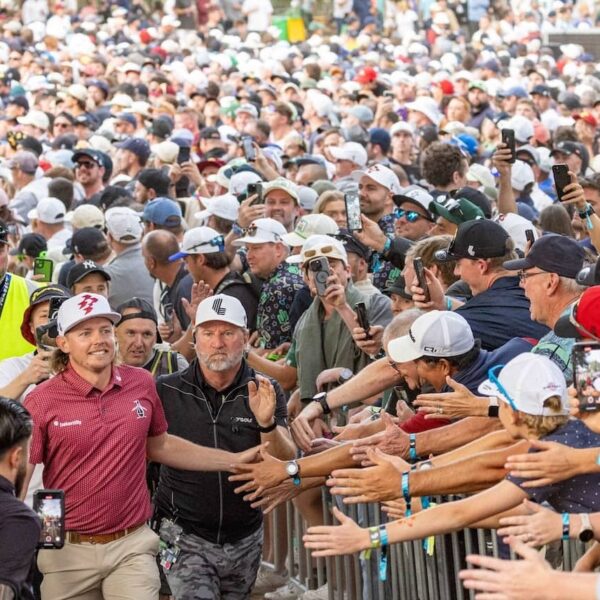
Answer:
(413, 573)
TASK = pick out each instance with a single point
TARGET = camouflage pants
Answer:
(207, 571)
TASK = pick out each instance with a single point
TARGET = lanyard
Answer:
(5, 285)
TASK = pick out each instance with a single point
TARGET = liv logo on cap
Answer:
(87, 303)
(217, 307)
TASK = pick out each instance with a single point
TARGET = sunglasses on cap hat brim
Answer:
(253, 230)
(494, 379)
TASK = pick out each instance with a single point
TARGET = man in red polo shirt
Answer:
(95, 424)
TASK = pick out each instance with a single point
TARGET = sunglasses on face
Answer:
(494, 379)
(410, 215)
(85, 165)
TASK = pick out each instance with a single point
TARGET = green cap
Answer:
(456, 210)
(480, 85)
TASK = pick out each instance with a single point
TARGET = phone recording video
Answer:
(50, 507)
(249, 150)
(586, 365)
(352, 202)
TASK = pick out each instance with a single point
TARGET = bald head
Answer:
(160, 244)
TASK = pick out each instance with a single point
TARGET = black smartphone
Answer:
(50, 507)
(352, 202)
(561, 179)
(529, 237)
(586, 372)
(249, 150)
(320, 267)
(184, 155)
(256, 188)
(361, 315)
(43, 266)
(508, 138)
(420, 272)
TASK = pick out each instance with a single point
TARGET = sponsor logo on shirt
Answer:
(139, 410)
(67, 423)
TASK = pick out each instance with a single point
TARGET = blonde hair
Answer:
(544, 425)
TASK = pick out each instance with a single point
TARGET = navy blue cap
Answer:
(128, 118)
(139, 146)
(163, 211)
(381, 137)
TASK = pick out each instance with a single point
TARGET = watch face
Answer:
(320, 395)
(291, 468)
(586, 535)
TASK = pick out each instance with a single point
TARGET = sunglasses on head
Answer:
(218, 241)
(314, 251)
(494, 379)
(253, 230)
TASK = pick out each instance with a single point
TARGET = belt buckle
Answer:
(91, 540)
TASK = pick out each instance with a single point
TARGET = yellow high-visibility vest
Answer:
(12, 343)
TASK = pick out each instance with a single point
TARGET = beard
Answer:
(220, 362)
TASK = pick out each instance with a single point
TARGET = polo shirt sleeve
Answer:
(39, 434)
(158, 423)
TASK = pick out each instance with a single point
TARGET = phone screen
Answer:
(352, 201)
(249, 151)
(44, 267)
(586, 364)
(49, 505)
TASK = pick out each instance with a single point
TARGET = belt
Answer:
(99, 538)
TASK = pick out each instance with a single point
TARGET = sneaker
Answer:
(267, 580)
(286, 592)
(321, 593)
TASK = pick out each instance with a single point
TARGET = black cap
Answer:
(353, 245)
(155, 179)
(476, 239)
(210, 133)
(19, 101)
(95, 155)
(81, 270)
(552, 253)
(541, 90)
(477, 198)
(398, 287)
(88, 241)
(162, 127)
(39, 295)
(145, 310)
(589, 275)
(31, 244)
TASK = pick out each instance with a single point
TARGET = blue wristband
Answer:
(412, 451)
(406, 492)
(448, 303)
(566, 522)
(383, 536)
(387, 246)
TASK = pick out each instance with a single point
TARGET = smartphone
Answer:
(249, 150)
(420, 272)
(352, 202)
(529, 237)
(256, 188)
(320, 267)
(586, 369)
(50, 507)
(184, 155)
(362, 318)
(43, 266)
(508, 138)
(561, 179)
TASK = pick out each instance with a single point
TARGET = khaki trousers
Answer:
(125, 569)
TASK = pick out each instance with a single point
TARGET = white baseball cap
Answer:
(482, 175)
(124, 225)
(86, 215)
(416, 195)
(221, 308)
(310, 225)
(281, 183)
(516, 226)
(48, 210)
(381, 175)
(436, 334)
(200, 240)
(521, 175)
(82, 307)
(320, 246)
(262, 231)
(36, 118)
(427, 106)
(239, 182)
(529, 380)
(522, 127)
(166, 151)
(400, 126)
(352, 151)
(226, 207)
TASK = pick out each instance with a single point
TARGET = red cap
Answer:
(366, 75)
(540, 132)
(145, 37)
(585, 317)
(586, 117)
(446, 86)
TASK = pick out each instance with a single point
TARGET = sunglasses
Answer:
(494, 379)
(573, 320)
(320, 251)
(85, 165)
(453, 207)
(253, 230)
(218, 241)
(410, 215)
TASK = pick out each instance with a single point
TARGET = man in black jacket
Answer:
(19, 526)
(220, 402)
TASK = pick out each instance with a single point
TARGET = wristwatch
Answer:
(322, 400)
(293, 470)
(345, 375)
(586, 533)
(268, 428)
(493, 408)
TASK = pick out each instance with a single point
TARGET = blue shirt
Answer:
(500, 314)
(578, 494)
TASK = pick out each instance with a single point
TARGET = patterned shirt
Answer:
(276, 297)
(387, 273)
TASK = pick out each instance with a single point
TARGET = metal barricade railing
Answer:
(413, 573)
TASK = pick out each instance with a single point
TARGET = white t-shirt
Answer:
(11, 368)
(258, 13)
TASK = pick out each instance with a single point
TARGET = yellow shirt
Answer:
(16, 302)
